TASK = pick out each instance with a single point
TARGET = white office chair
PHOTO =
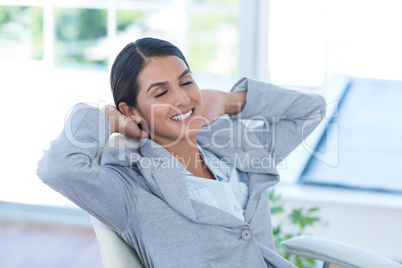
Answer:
(117, 254)
(114, 251)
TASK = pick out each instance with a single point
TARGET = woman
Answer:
(194, 195)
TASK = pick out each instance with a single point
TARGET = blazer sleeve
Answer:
(105, 192)
(287, 116)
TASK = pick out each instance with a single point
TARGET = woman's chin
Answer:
(193, 132)
(188, 134)
(194, 129)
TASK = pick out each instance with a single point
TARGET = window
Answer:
(297, 42)
(54, 54)
(21, 32)
(79, 34)
(311, 40)
(49, 60)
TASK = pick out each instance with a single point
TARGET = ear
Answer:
(131, 112)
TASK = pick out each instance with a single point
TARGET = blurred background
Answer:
(54, 54)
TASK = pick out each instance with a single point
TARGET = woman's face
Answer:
(169, 100)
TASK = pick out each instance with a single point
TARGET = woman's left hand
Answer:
(216, 103)
(213, 105)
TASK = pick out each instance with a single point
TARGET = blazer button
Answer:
(246, 234)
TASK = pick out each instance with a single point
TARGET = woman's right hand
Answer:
(122, 124)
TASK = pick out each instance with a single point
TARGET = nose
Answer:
(181, 98)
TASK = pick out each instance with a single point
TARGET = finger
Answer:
(205, 121)
(131, 129)
(143, 134)
(135, 131)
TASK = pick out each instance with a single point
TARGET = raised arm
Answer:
(67, 167)
(216, 103)
(288, 116)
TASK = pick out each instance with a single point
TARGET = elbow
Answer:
(322, 106)
(320, 102)
(315, 115)
(318, 107)
(48, 170)
(57, 171)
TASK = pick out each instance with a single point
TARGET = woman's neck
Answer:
(187, 152)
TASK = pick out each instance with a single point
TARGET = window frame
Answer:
(253, 39)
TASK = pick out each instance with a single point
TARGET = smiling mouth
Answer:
(182, 116)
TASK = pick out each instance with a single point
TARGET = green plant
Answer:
(290, 224)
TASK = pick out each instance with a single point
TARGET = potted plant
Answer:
(290, 224)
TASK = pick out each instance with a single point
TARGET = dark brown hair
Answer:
(129, 63)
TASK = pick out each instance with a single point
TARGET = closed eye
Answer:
(187, 83)
(161, 94)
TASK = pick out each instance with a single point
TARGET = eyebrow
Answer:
(157, 84)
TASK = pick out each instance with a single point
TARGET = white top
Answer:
(229, 190)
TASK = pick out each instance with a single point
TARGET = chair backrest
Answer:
(114, 251)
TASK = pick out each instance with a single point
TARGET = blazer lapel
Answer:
(257, 162)
(168, 179)
(166, 176)
(206, 214)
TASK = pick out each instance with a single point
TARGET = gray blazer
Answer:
(142, 195)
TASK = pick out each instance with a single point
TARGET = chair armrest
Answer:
(336, 253)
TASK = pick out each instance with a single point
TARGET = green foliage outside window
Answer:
(126, 18)
(218, 1)
(21, 25)
(203, 46)
(291, 225)
(81, 35)
(77, 30)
